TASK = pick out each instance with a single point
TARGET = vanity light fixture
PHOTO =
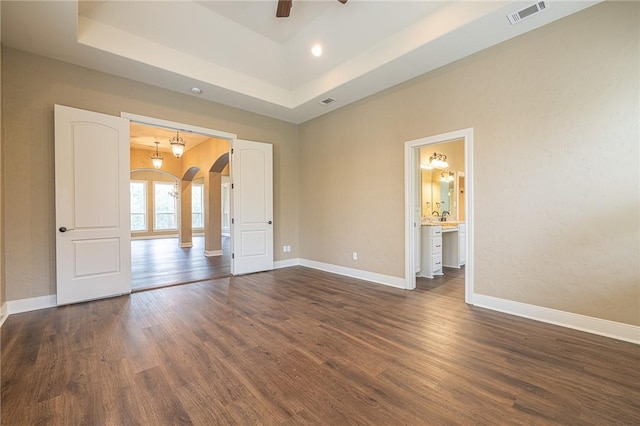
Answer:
(177, 145)
(426, 166)
(156, 158)
(447, 177)
(438, 161)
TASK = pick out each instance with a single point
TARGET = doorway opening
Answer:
(432, 239)
(177, 209)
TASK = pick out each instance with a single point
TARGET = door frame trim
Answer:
(410, 181)
(174, 125)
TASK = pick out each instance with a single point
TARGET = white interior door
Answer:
(251, 207)
(93, 239)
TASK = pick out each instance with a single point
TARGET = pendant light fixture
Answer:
(156, 158)
(174, 193)
(177, 145)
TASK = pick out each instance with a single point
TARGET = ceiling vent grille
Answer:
(327, 101)
(528, 12)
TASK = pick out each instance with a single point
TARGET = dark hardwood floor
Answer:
(300, 346)
(161, 262)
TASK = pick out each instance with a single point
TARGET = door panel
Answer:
(92, 205)
(252, 207)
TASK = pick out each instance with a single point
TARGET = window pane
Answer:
(197, 203)
(165, 221)
(138, 191)
(196, 220)
(138, 222)
(164, 206)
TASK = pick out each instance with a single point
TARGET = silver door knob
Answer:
(64, 229)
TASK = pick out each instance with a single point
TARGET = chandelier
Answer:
(174, 193)
(156, 158)
(177, 145)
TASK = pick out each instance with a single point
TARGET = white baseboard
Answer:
(153, 237)
(186, 245)
(4, 313)
(602, 327)
(31, 304)
(355, 273)
(210, 253)
(287, 263)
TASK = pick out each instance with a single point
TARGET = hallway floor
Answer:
(161, 262)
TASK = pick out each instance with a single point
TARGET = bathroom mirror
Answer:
(439, 196)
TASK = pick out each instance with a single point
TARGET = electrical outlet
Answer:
(289, 249)
(355, 255)
(284, 249)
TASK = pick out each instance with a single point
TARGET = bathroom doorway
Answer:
(422, 203)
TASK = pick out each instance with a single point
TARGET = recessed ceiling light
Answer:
(196, 91)
(316, 50)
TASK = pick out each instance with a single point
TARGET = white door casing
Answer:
(93, 239)
(251, 207)
(411, 170)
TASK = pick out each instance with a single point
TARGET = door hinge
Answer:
(231, 186)
(232, 221)
(231, 150)
(233, 256)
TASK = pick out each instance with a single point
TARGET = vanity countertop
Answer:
(445, 224)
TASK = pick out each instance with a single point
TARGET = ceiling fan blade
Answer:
(284, 8)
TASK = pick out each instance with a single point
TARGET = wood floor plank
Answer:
(300, 346)
(162, 262)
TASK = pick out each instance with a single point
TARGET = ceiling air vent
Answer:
(327, 101)
(528, 11)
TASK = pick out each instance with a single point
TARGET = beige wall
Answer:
(555, 224)
(33, 84)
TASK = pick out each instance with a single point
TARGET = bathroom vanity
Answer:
(431, 250)
(441, 245)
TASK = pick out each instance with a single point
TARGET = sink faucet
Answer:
(435, 213)
(444, 216)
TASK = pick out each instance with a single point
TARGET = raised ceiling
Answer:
(241, 55)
